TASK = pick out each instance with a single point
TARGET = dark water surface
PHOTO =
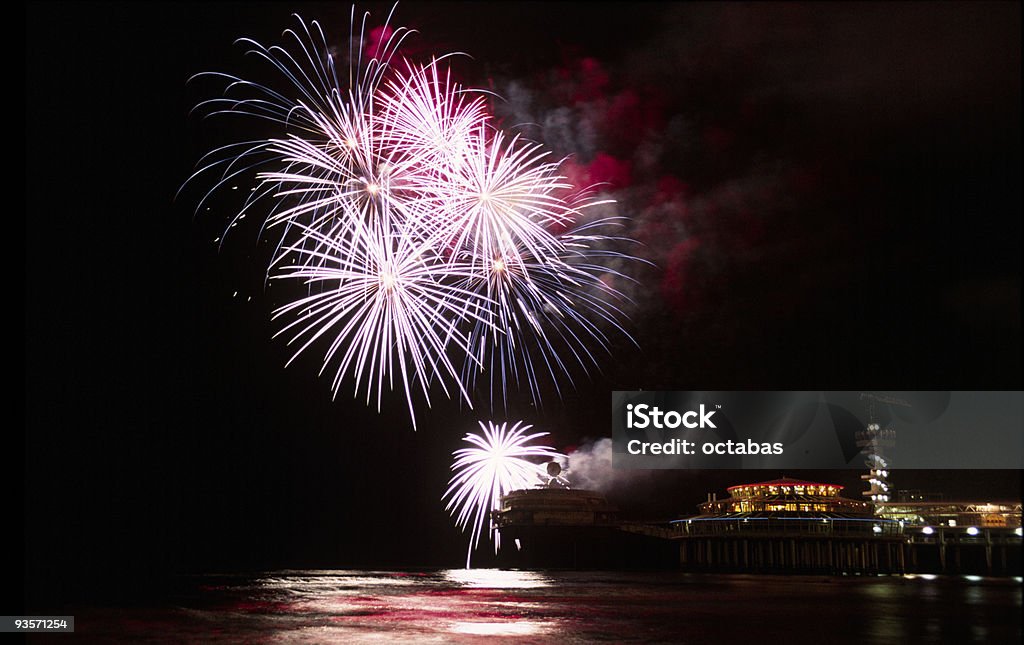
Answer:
(487, 605)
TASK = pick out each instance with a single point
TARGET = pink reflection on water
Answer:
(481, 606)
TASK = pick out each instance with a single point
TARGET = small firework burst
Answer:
(498, 462)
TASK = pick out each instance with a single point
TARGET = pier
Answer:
(780, 526)
(789, 525)
(992, 552)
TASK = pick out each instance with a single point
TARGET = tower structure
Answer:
(877, 442)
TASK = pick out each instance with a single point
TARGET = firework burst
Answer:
(382, 309)
(497, 463)
(423, 235)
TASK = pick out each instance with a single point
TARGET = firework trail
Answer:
(495, 465)
(431, 245)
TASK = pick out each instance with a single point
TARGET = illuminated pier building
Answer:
(793, 525)
(786, 496)
(790, 525)
(782, 525)
(953, 514)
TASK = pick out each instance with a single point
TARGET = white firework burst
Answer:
(378, 301)
(498, 463)
(547, 317)
(422, 233)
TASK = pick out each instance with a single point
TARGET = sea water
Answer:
(488, 605)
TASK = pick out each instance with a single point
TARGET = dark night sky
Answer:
(833, 202)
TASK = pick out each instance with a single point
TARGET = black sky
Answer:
(160, 421)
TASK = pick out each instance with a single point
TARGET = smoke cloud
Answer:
(737, 139)
(590, 467)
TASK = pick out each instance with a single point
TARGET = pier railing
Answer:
(786, 526)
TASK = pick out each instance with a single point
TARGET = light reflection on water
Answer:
(497, 578)
(506, 628)
(481, 605)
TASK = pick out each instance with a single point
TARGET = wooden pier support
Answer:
(981, 555)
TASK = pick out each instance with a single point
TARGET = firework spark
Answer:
(495, 465)
(422, 234)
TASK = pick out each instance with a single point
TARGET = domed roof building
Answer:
(787, 506)
(786, 497)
